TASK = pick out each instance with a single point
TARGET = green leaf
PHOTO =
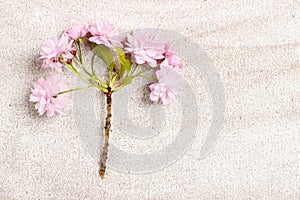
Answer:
(72, 90)
(114, 78)
(127, 81)
(125, 63)
(105, 54)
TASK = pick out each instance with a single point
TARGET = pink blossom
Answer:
(172, 59)
(161, 91)
(145, 47)
(46, 98)
(55, 48)
(105, 33)
(77, 31)
(169, 83)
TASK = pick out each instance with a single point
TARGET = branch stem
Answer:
(107, 130)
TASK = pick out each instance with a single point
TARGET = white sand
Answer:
(253, 45)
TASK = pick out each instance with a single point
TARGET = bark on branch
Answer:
(107, 130)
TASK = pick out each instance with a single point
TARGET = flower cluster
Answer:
(126, 58)
(146, 47)
(54, 50)
(105, 33)
(170, 82)
(45, 94)
(138, 48)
